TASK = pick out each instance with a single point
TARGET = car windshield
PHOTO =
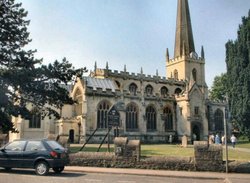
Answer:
(54, 145)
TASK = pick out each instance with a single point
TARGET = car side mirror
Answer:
(2, 149)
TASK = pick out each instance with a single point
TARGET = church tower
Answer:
(189, 67)
(186, 64)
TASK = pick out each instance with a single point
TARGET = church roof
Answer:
(101, 83)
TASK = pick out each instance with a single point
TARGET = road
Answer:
(29, 176)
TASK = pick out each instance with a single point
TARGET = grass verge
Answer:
(169, 150)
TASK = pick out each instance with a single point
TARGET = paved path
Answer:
(230, 177)
(239, 149)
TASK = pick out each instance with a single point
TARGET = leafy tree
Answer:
(238, 72)
(219, 88)
(23, 78)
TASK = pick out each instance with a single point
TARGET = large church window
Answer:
(132, 117)
(151, 118)
(164, 91)
(102, 114)
(79, 100)
(149, 90)
(218, 120)
(175, 74)
(35, 121)
(168, 118)
(194, 73)
(132, 89)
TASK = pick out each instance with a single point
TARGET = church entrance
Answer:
(196, 133)
(71, 136)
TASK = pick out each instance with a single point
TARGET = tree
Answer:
(238, 72)
(23, 78)
(219, 88)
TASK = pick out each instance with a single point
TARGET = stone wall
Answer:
(103, 159)
(125, 148)
(208, 157)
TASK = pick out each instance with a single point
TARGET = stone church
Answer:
(153, 109)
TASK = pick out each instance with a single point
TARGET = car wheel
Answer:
(58, 169)
(42, 168)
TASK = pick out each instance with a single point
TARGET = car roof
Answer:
(35, 139)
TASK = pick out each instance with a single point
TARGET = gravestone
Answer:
(184, 141)
(63, 140)
(52, 137)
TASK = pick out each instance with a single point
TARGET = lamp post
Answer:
(225, 133)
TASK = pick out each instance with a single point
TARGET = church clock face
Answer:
(194, 55)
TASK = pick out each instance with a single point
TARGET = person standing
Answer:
(217, 139)
(223, 139)
(233, 140)
(211, 139)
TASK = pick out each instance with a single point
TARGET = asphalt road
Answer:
(29, 176)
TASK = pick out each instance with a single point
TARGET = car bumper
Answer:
(58, 162)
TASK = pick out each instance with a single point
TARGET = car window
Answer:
(54, 145)
(35, 146)
(15, 146)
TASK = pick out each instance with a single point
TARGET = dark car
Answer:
(38, 154)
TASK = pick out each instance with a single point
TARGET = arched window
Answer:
(151, 118)
(102, 114)
(79, 100)
(168, 118)
(164, 91)
(175, 74)
(218, 120)
(132, 117)
(35, 121)
(149, 90)
(132, 88)
(177, 91)
(194, 73)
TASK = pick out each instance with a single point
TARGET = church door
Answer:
(196, 133)
(71, 136)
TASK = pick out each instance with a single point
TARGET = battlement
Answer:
(185, 57)
(143, 77)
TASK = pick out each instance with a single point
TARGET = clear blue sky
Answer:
(134, 33)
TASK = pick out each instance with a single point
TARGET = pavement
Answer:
(226, 177)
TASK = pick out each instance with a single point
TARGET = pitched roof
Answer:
(101, 83)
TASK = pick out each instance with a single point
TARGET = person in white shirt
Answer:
(233, 140)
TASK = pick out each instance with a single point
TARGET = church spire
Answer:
(183, 32)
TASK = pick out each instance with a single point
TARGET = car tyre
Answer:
(58, 169)
(41, 168)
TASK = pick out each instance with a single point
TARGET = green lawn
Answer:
(243, 144)
(171, 150)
